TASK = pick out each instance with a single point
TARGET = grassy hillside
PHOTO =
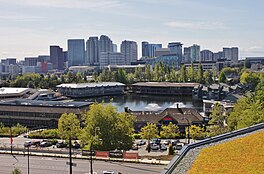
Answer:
(241, 156)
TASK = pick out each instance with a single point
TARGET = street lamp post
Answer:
(91, 149)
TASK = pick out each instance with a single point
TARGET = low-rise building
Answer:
(81, 90)
(9, 92)
(38, 114)
(163, 88)
(182, 117)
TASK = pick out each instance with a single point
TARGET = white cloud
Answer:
(82, 4)
(254, 48)
(19, 17)
(204, 25)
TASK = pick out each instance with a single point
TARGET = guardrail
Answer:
(176, 160)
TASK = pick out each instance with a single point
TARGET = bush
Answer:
(16, 130)
(171, 150)
(45, 134)
(16, 171)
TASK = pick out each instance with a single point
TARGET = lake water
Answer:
(137, 102)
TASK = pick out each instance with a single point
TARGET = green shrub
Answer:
(45, 134)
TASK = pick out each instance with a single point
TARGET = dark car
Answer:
(134, 147)
(174, 142)
(76, 145)
(178, 147)
(61, 145)
(27, 144)
(45, 144)
(156, 141)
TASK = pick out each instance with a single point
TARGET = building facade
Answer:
(176, 48)
(207, 55)
(129, 50)
(81, 90)
(56, 57)
(149, 50)
(92, 51)
(111, 58)
(76, 50)
(38, 114)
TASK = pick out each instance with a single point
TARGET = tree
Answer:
(16, 171)
(197, 132)
(148, 132)
(217, 115)
(121, 76)
(208, 77)
(200, 73)
(170, 131)
(116, 129)
(222, 77)
(69, 126)
(183, 73)
(148, 73)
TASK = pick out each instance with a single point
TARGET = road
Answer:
(42, 165)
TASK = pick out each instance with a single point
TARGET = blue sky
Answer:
(28, 27)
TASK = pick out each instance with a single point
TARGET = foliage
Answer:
(45, 134)
(136, 136)
(68, 126)
(250, 78)
(222, 77)
(246, 152)
(170, 131)
(149, 131)
(208, 77)
(200, 74)
(16, 130)
(196, 132)
(115, 129)
(16, 171)
(171, 150)
(183, 74)
(217, 115)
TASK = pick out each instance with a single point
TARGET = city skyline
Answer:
(29, 27)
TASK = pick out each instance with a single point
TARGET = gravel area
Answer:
(184, 166)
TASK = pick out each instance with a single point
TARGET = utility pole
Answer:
(28, 158)
(70, 153)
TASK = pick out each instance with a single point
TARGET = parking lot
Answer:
(140, 146)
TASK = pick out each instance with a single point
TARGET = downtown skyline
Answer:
(28, 27)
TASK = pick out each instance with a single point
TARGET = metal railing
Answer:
(176, 160)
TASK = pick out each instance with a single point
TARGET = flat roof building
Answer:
(38, 114)
(81, 90)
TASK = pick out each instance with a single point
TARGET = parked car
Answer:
(134, 147)
(27, 144)
(45, 144)
(76, 145)
(163, 147)
(174, 142)
(178, 146)
(141, 142)
(61, 145)
(154, 147)
(166, 142)
(35, 143)
(156, 141)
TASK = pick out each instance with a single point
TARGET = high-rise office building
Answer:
(129, 49)
(218, 55)
(111, 58)
(176, 48)
(231, 54)
(31, 61)
(76, 50)
(56, 57)
(149, 50)
(105, 44)
(192, 54)
(206, 55)
(92, 51)
(195, 53)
